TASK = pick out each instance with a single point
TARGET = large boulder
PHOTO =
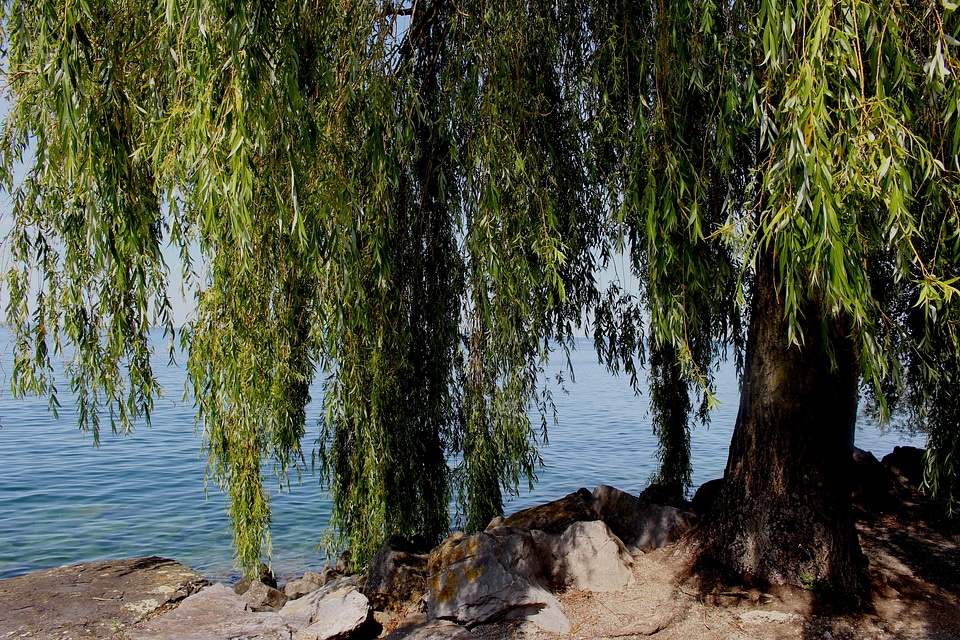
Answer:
(555, 516)
(641, 525)
(671, 496)
(216, 613)
(488, 576)
(706, 496)
(586, 556)
(906, 463)
(337, 610)
(397, 575)
(874, 488)
(93, 599)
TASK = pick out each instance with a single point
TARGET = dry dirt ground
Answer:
(914, 570)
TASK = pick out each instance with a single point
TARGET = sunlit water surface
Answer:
(63, 501)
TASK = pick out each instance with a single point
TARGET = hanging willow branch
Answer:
(417, 200)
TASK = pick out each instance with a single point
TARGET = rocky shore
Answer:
(600, 564)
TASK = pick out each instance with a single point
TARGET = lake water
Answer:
(62, 501)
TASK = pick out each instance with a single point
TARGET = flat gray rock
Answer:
(310, 582)
(262, 597)
(337, 610)
(94, 599)
(216, 613)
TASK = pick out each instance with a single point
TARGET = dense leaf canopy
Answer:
(414, 201)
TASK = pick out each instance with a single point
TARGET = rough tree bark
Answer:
(784, 515)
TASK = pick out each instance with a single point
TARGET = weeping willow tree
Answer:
(414, 200)
(800, 158)
(368, 202)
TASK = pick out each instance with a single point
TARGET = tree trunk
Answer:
(784, 515)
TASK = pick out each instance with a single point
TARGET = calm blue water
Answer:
(62, 501)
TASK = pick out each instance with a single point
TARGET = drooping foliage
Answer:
(415, 201)
(675, 170)
(366, 201)
(470, 272)
(86, 232)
